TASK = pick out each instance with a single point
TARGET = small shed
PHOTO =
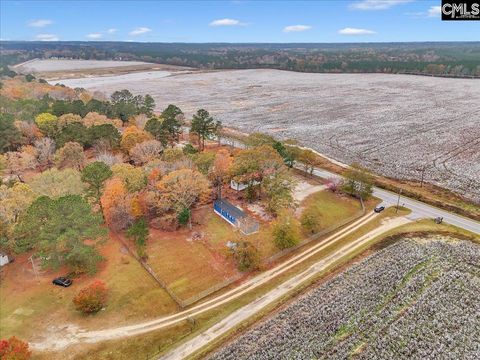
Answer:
(235, 216)
(4, 259)
(239, 186)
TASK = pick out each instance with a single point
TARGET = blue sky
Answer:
(232, 21)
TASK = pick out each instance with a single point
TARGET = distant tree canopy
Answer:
(441, 58)
(124, 105)
(156, 127)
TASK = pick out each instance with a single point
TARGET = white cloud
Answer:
(377, 4)
(296, 28)
(47, 37)
(94, 36)
(40, 23)
(112, 31)
(434, 11)
(355, 31)
(140, 31)
(226, 22)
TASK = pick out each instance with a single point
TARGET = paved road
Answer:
(419, 209)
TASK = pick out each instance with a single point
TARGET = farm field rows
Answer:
(397, 125)
(59, 65)
(417, 298)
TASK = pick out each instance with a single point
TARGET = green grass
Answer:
(330, 207)
(220, 232)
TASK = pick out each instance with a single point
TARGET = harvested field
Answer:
(415, 299)
(394, 124)
(62, 65)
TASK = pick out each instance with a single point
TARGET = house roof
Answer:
(230, 208)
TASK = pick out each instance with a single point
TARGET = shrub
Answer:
(92, 298)
(247, 256)
(184, 216)
(138, 231)
(166, 222)
(310, 220)
(14, 349)
(286, 230)
(188, 149)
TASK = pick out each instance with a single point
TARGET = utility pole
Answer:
(423, 173)
(398, 201)
(33, 267)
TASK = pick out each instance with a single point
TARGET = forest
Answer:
(460, 59)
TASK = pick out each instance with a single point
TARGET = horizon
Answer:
(241, 43)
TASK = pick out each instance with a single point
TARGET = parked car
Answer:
(62, 281)
(379, 209)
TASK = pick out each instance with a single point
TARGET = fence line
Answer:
(152, 273)
(211, 290)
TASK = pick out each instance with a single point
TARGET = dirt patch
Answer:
(304, 189)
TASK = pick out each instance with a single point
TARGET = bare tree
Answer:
(146, 151)
(45, 151)
(109, 158)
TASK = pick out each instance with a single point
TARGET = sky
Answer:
(232, 21)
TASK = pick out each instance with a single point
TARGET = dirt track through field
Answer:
(242, 314)
(71, 334)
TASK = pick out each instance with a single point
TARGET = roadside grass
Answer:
(29, 307)
(330, 207)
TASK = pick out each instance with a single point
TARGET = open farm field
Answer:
(38, 65)
(416, 299)
(54, 69)
(397, 125)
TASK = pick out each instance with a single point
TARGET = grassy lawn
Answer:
(330, 207)
(220, 232)
(29, 307)
(190, 267)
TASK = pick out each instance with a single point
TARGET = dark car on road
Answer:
(379, 209)
(62, 281)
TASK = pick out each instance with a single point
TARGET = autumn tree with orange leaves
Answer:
(14, 349)
(180, 189)
(133, 136)
(120, 207)
(115, 205)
